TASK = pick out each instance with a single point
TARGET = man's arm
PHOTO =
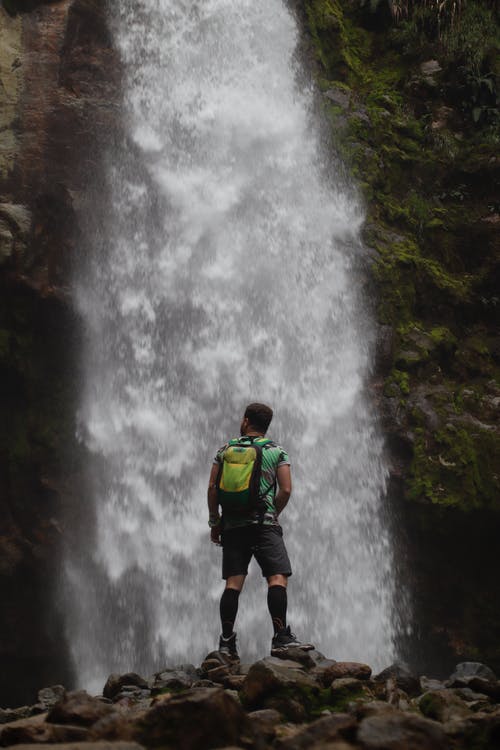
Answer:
(213, 505)
(284, 477)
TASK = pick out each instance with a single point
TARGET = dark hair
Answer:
(259, 416)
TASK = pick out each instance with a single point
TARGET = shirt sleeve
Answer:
(283, 458)
(218, 455)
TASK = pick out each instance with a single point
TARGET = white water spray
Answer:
(226, 276)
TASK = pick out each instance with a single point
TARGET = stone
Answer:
(217, 666)
(292, 709)
(41, 733)
(430, 68)
(49, 696)
(6, 715)
(402, 677)
(204, 683)
(6, 242)
(271, 676)
(343, 669)
(427, 683)
(219, 674)
(401, 731)
(443, 705)
(469, 695)
(19, 724)
(17, 216)
(338, 96)
(13, 714)
(80, 708)
(234, 681)
(488, 687)
(467, 669)
(130, 696)
(183, 674)
(318, 671)
(481, 731)
(372, 708)
(346, 690)
(265, 720)
(116, 682)
(308, 658)
(327, 729)
(198, 719)
(117, 726)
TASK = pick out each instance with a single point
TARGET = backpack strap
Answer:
(261, 510)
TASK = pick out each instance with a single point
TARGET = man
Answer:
(254, 531)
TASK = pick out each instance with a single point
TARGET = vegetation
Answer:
(421, 134)
(411, 94)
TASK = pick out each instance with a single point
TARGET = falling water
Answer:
(226, 275)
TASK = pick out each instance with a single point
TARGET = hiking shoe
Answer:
(285, 639)
(227, 647)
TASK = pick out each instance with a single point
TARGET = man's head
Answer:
(257, 418)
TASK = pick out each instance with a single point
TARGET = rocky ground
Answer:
(290, 702)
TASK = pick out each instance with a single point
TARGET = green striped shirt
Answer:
(273, 456)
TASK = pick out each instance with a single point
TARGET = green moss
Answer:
(315, 700)
(399, 378)
(459, 471)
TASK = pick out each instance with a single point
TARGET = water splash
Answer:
(227, 277)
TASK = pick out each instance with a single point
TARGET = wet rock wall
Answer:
(59, 86)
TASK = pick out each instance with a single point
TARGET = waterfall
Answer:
(224, 273)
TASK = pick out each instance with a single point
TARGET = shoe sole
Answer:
(284, 649)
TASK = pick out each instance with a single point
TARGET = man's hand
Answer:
(215, 535)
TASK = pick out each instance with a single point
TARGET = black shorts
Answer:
(263, 541)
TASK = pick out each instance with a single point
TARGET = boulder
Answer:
(427, 683)
(325, 730)
(13, 714)
(49, 696)
(401, 731)
(116, 682)
(372, 708)
(481, 731)
(402, 677)
(234, 681)
(79, 708)
(18, 724)
(308, 658)
(343, 669)
(443, 705)
(346, 690)
(271, 677)
(487, 687)
(338, 96)
(216, 667)
(117, 726)
(174, 679)
(265, 721)
(468, 669)
(197, 719)
(41, 733)
(430, 67)
(319, 670)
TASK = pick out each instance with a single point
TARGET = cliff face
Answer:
(59, 82)
(413, 106)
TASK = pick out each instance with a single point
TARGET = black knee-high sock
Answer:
(277, 602)
(228, 610)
